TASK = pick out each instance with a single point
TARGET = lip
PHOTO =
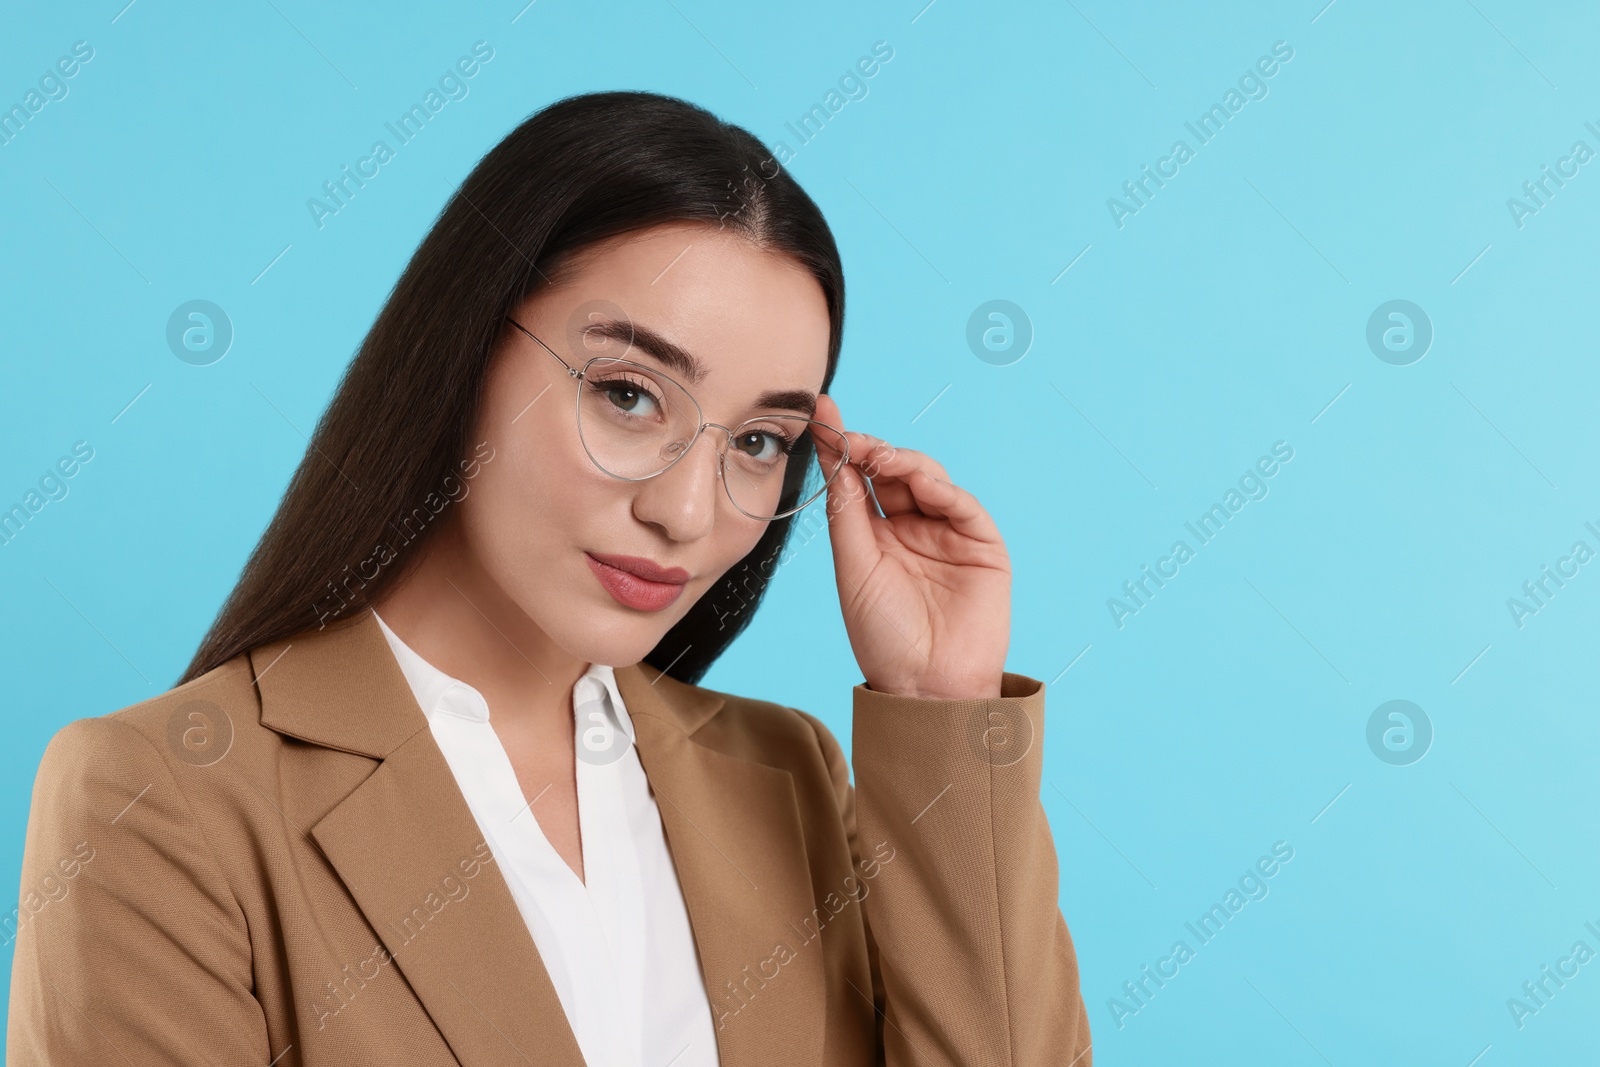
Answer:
(637, 583)
(640, 567)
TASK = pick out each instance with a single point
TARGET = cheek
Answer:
(528, 495)
(739, 541)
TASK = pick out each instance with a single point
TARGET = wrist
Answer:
(954, 692)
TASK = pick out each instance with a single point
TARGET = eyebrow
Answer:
(685, 363)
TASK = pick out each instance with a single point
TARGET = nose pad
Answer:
(722, 462)
(679, 506)
(718, 449)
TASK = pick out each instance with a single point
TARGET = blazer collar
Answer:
(732, 824)
(341, 687)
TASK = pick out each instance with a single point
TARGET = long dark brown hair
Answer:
(585, 168)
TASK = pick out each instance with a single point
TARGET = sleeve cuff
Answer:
(971, 735)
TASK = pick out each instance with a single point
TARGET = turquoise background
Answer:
(1229, 313)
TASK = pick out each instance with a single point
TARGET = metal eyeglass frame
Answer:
(722, 453)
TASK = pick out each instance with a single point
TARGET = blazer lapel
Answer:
(471, 961)
(733, 827)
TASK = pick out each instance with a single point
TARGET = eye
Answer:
(629, 396)
(767, 446)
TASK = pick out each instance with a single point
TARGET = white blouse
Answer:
(618, 944)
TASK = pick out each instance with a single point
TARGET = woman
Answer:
(440, 787)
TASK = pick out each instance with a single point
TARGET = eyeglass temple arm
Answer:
(547, 348)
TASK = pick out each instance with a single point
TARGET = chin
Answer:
(616, 638)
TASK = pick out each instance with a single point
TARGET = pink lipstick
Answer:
(637, 583)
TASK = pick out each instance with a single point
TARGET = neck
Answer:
(454, 616)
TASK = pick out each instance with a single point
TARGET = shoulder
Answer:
(142, 785)
(162, 753)
(754, 722)
(189, 722)
(768, 732)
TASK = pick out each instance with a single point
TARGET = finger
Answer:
(879, 456)
(888, 466)
(894, 495)
(829, 455)
(867, 453)
(850, 508)
(936, 498)
(827, 413)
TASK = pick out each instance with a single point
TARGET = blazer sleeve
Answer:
(131, 948)
(971, 958)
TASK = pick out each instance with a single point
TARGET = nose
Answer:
(683, 500)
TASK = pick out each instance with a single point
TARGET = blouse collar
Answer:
(439, 693)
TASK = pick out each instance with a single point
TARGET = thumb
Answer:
(850, 514)
(850, 504)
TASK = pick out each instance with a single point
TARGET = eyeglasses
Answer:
(636, 422)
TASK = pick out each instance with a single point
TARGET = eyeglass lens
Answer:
(635, 422)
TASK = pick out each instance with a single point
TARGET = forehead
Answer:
(754, 318)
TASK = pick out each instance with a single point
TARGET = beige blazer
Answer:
(273, 864)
